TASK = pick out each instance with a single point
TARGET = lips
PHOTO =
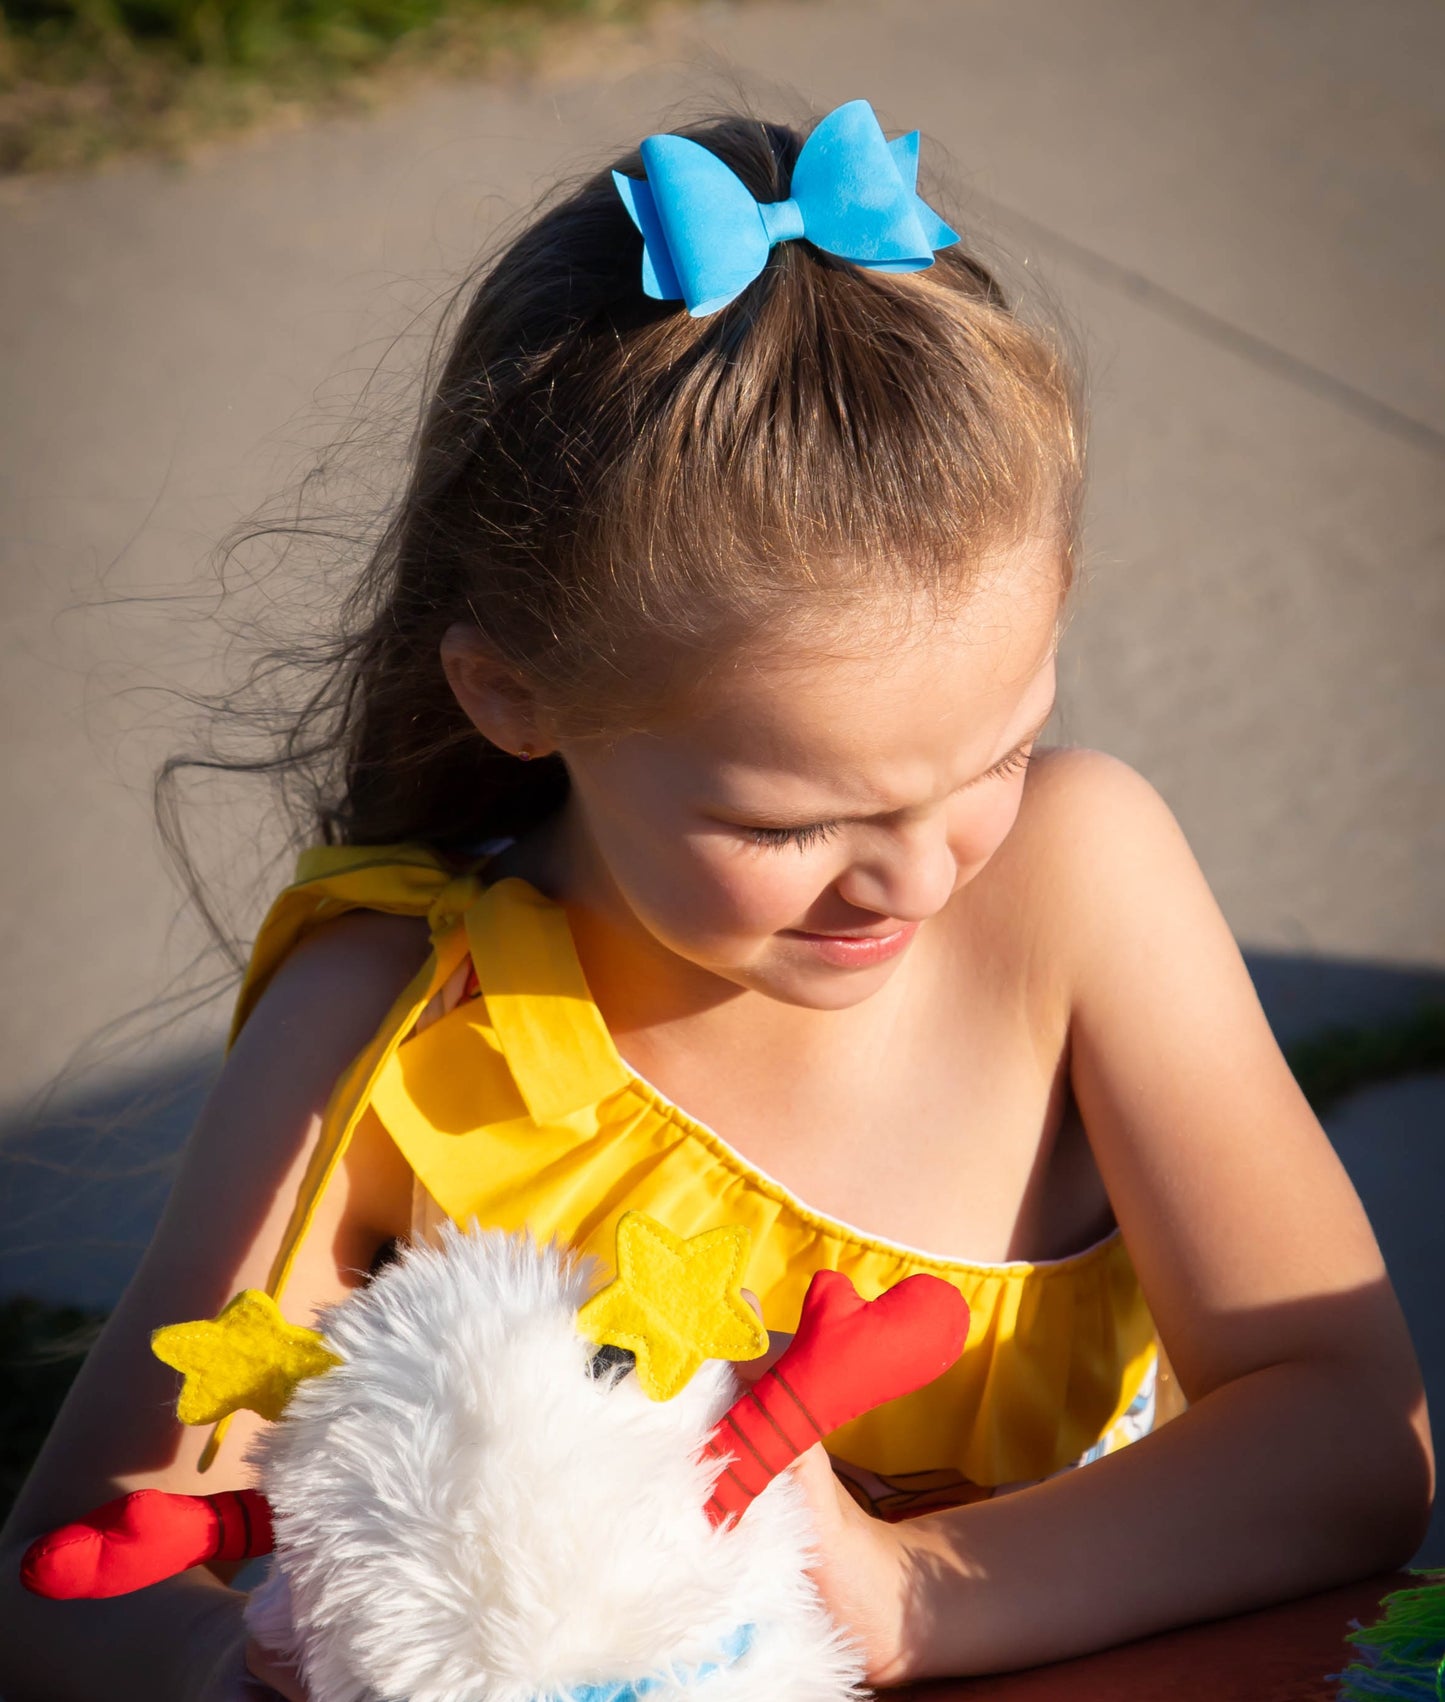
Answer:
(854, 951)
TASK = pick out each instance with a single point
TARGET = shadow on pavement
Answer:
(82, 1182)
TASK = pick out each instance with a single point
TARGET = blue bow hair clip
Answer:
(704, 237)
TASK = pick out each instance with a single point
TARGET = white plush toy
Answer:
(489, 1483)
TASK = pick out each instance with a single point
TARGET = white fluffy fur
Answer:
(464, 1515)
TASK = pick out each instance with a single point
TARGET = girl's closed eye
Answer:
(1014, 763)
(809, 834)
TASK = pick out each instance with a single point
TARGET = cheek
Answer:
(695, 890)
(977, 831)
(758, 890)
(702, 893)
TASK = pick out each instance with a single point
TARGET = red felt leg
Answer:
(142, 1538)
(849, 1355)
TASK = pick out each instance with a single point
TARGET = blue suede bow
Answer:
(704, 237)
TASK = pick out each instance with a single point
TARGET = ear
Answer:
(495, 697)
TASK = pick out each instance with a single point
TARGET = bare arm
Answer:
(1305, 1457)
(117, 1431)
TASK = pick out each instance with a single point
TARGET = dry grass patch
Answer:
(82, 80)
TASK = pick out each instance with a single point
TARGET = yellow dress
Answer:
(514, 1109)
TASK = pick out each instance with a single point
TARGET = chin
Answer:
(828, 990)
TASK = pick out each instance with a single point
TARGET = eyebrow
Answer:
(1013, 750)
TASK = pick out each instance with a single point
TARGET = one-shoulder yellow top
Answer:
(515, 1109)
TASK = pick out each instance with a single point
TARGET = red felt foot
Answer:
(140, 1539)
(848, 1356)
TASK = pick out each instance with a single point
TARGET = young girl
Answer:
(689, 846)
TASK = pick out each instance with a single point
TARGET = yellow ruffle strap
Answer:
(400, 880)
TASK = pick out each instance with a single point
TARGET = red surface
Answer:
(1281, 1654)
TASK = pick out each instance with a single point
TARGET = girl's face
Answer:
(818, 805)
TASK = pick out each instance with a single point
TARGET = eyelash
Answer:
(815, 833)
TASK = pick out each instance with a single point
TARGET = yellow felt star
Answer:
(675, 1303)
(249, 1356)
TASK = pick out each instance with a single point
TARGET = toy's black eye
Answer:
(388, 1253)
(618, 1359)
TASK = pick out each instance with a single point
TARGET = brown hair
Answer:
(601, 479)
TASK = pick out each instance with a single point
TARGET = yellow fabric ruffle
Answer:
(516, 1110)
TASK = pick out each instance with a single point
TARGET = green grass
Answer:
(1338, 1061)
(81, 80)
(41, 1347)
(241, 34)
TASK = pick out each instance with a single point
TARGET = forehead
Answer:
(863, 696)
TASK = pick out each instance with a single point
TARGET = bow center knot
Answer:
(782, 220)
(452, 903)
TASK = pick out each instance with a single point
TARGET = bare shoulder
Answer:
(243, 1164)
(1238, 1216)
(1088, 825)
(1131, 917)
(1077, 772)
(357, 960)
(1073, 791)
(1092, 836)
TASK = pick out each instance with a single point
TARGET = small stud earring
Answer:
(525, 754)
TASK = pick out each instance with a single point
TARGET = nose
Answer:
(910, 874)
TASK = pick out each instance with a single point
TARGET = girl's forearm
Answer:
(1286, 1481)
(162, 1644)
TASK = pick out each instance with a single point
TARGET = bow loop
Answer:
(705, 238)
(856, 202)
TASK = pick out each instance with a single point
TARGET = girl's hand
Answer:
(860, 1571)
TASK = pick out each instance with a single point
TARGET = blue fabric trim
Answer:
(734, 1646)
